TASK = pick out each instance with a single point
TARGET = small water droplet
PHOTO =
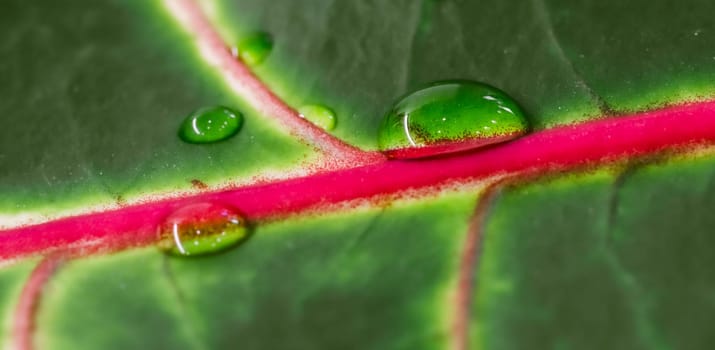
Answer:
(210, 124)
(202, 228)
(254, 48)
(450, 116)
(319, 115)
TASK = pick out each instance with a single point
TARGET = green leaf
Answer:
(563, 61)
(94, 94)
(601, 261)
(12, 278)
(372, 279)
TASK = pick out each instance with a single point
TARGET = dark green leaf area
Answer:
(376, 279)
(638, 54)
(93, 95)
(665, 231)
(601, 261)
(562, 60)
(119, 301)
(376, 52)
(545, 280)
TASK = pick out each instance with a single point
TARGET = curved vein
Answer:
(242, 81)
(468, 266)
(23, 321)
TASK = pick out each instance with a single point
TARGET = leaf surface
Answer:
(607, 255)
(380, 278)
(93, 115)
(600, 261)
(563, 61)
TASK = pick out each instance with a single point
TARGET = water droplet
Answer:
(254, 48)
(210, 124)
(450, 116)
(202, 228)
(321, 116)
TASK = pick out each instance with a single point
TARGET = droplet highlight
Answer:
(210, 124)
(202, 228)
(319, 115)
(254, 48)
(450, 116)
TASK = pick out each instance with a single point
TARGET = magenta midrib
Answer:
(549, 150)
(356, 174)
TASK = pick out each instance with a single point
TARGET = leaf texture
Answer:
(612, 253)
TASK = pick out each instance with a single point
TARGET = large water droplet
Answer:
(450, 116)
(210, 124)
(319, 115)
(254, 48)
(202, 228)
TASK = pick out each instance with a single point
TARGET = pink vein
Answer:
(549, 150)
(25, 311)
(469, 264)
(253, 91)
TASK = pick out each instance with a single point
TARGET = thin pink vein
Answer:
(255, 92)
(24, 317)
(468, 265)
(555, 149)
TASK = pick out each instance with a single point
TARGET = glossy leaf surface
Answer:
(93, 115)
(583, 256)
